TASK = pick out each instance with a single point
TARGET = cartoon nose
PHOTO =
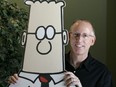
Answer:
(41, 51)
(42, 33)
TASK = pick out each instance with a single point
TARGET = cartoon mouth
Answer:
(44, 53)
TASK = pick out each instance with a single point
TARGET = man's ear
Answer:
(93, 40)
(65, 37)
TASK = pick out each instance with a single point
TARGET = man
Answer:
(82, 70)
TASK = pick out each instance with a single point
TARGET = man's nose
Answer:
(79, 38)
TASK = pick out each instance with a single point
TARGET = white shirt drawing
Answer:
(32, 80)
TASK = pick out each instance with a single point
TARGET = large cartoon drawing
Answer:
(44, 43)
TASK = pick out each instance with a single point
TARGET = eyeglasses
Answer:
(77, 35)
(42, 32)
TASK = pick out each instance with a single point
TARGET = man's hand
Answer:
(13, 79)
(71, 79)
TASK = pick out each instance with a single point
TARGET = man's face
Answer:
(81, 38)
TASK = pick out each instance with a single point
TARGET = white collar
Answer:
(57, 77)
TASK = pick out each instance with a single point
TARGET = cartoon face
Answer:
(45, 33)
(45, 39)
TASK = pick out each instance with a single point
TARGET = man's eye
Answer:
(76, 35)
(40, 33)
(85, 35)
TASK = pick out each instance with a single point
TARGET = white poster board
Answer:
(44, 42)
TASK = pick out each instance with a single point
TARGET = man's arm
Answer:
(106, 80)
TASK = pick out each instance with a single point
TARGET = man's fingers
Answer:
(16, 76)
(13, 79)
(71, 79)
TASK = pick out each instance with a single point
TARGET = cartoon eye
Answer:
(40, 33)
(50, 32)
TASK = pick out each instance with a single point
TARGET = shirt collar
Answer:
(85, 63)
(57, 77)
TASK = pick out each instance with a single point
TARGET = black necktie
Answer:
(45, 79)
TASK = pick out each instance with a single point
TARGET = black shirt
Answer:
(91, 72)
